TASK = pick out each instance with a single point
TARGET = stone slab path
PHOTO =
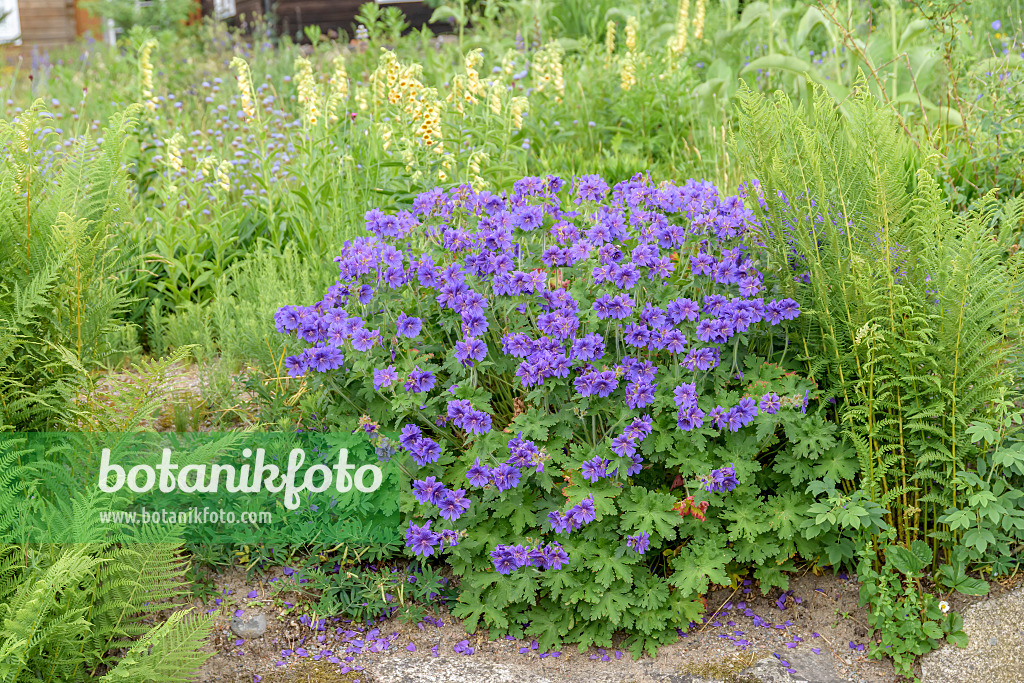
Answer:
(400, 668)
(995, 652)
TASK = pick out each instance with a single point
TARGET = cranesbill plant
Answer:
(557, 363)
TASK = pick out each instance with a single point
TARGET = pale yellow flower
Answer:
(631, 34)
(308, 96)
(172, 147)
(494, 98)
(339, 88)
(677, 43)
(472, 61)
(698, 20)
(627, 71)
(519, 106)
(548, 65)
(223, 175)
(146, 73)
(246, 93)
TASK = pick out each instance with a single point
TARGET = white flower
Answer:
(944, 606)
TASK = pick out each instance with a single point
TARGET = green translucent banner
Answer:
(231, 488)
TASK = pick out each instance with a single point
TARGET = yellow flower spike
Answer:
(698, 20)
(146, 73)
(494, 97)
(246, 94)
(475, 159)
(519, 106)
(548, 61)
(677, 43)
(455, 95)
(339, 87)
(508, 63)
(308, 97)
(472, 61)
(360, 97)
(631, 34)
(339, 79)
(172, 146)
(627, 72)
(223, 175)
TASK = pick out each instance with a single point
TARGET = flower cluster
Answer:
(578, 515)
(639, 542)
(508, 558)
(422, 541)
(451, 504)
(721, 480)
(616, 300)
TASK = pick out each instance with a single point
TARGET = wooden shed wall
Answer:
(294, 15)
(47, 23)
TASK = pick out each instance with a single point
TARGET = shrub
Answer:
(558, 362)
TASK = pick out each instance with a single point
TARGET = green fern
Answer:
(63, 266)
(911, 314)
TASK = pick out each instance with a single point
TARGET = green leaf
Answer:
(607, 567)
(958, 638)
(550, 622)
(781, 62)
(700, 564)
(649, 511)
(903, 560)
(611, 605)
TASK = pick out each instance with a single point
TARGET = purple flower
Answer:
(640, 542)
(408, 327)
(365, 294)
(420, 381)
(555, 557)
(623, 445)
(384, 378)
(721, 480)
(504, 560)
(583, 512)
(453, 504)
(421, 539)
(685, 394)
(560, 522)
(429, 491)
(505, 477)
(770, 403)
(593, 187)
(690, 417)
(469, 350)
(478, 475)
(364, 340)
(594, 468)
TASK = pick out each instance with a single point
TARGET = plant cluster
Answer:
(554, 360)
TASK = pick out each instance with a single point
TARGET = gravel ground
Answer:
(818, 635)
